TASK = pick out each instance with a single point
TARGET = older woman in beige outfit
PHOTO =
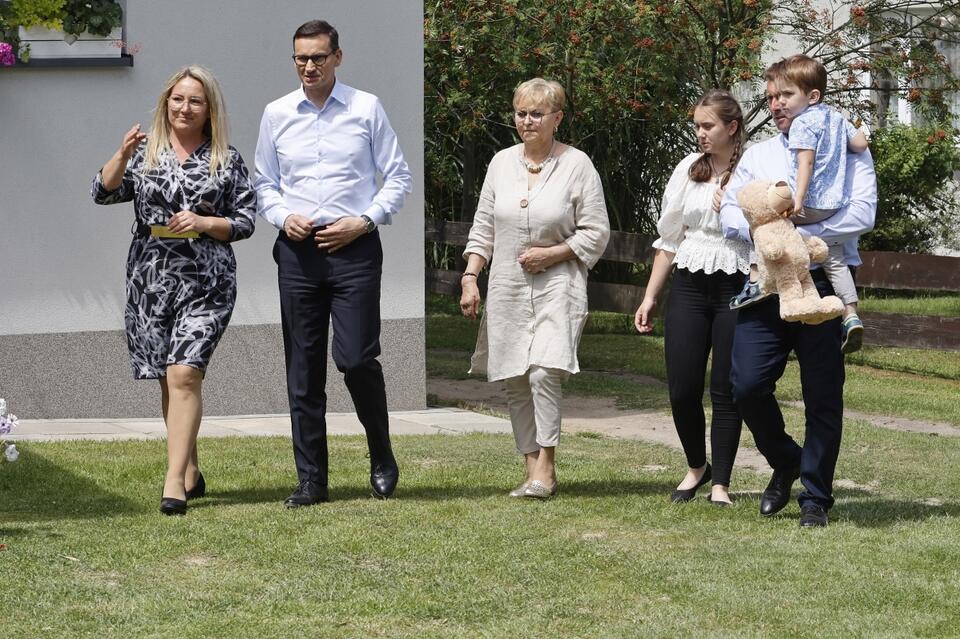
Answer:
(541, 222)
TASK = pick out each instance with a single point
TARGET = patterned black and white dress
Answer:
(180, 292)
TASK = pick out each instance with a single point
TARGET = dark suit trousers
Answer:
(316, 286)
(762, 341)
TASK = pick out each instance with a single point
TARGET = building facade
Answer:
(62, 258)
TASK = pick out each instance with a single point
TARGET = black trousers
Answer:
(698, 321)
(316, 286)
(760, 348)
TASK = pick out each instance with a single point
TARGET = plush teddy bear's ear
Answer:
(779, 197)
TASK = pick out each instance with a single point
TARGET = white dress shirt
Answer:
(323, 163)
(770, 160)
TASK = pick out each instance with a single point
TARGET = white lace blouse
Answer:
(690, 228)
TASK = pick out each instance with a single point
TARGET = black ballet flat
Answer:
(721, 504)
(687, 494)
(171, 506)
(199, 489)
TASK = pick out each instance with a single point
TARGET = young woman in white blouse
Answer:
(698, 319)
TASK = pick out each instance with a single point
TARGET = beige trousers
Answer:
(534, 401)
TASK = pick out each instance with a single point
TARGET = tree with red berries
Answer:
(633, 69)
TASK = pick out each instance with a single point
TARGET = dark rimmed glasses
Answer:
(318, 60)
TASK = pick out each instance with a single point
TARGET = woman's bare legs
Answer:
(182, 410)
(544, 469)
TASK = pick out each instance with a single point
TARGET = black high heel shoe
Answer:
(679, 496)
(171, 506)
(199, 489)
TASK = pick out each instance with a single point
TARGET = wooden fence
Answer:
(897, 271)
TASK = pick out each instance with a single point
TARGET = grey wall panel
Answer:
(87, 374)
(62, 257)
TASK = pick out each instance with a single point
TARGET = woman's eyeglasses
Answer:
(536, 116)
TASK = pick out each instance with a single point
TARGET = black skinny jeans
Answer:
(698, 319)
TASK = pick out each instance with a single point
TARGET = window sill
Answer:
(125, 60)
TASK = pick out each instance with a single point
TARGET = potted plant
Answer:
(69, 28)
(94, 17)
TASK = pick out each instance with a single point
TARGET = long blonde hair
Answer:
(215, 127)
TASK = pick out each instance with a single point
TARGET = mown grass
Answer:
(912, 383)
(945, 305)
(87, 555)
(451, 556)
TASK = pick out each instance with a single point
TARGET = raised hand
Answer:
(131, 140)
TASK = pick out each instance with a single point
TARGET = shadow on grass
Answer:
(869, 510)
(36, 489)
(420, 492)
(875, 511)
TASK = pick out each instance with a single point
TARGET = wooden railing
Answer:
(897, 271)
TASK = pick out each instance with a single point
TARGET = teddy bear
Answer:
(783, 256)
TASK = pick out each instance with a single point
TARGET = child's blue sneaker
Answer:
(751, 294)
(852, 331)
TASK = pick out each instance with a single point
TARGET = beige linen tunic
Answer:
(535, 319)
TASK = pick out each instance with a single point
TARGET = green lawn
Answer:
(929, 304)
(451, 556)
(88, 555)
(903, 382)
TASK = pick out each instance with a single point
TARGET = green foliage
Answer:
(633, 69)
(97, 17)
(877, 50)
(37, 13)
(917, 206)
(631, 72)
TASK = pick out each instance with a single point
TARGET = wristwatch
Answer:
(371, 225)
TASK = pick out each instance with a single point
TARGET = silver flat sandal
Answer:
(539, 490)
(519, 490)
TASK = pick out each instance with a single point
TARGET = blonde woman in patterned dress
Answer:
(708, 269)
(542, 221)
(192, 197)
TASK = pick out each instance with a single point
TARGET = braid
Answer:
(733, 160)
(727, 110)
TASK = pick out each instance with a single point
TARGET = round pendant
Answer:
(523, 203)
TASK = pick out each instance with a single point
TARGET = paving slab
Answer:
(422, 422)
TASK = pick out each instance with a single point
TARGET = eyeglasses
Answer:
(177, 102)
(536, 116)
(318, 60)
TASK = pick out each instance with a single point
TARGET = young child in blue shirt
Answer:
(820, 138)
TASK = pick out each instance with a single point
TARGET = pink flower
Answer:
(6, 55)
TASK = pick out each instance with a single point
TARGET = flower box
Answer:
(48, 43)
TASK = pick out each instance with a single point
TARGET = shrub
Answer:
(917, 208)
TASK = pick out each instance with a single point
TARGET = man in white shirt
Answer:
(318, 156)
(762, 341)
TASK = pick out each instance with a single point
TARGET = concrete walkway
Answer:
(432, 421)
